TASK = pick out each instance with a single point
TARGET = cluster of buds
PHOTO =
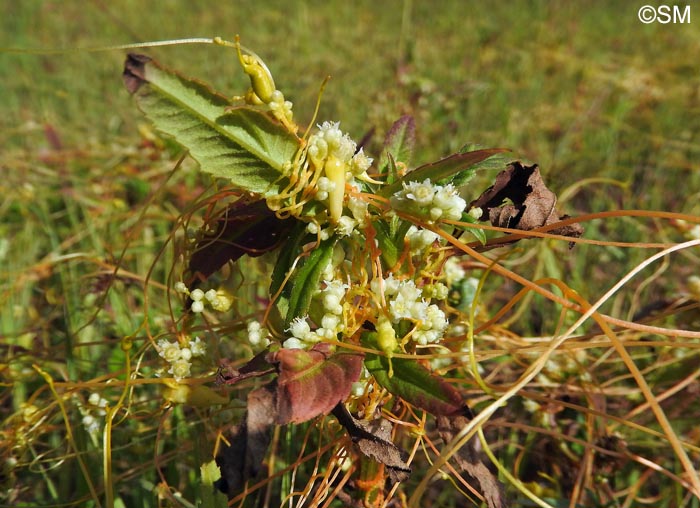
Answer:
(179, 357)
(218, 299)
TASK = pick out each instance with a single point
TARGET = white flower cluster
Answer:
(331, 147)
(433, 202)
(332, 322)
(453, 271)
(258, 336)
(180, 358)
(330, 141)
(96, 406)
(406, 301)
(219, 300)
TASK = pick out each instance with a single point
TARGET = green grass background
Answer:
(582, 88)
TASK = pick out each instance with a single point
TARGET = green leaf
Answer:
(399, 143)
(495, 162)
(477, 233)
(307, 279)
(292, 248)
(442, 169)
(242, 144)
(413, 382)
(390, 250)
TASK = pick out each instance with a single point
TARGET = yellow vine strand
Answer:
(471, 428)
(126, 344)
(504, 471)
(69, 432)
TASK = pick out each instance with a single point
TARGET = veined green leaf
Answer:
(444, 168)
(494, 162)
(242, 144)
(307, 279)
(399, 143)
(413, 382)
(292, 248)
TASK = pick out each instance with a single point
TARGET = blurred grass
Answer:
(582, 88)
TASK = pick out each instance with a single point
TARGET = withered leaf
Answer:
(468, 460)
(245, 227)
(133, 75)
(243, 459)
(312, 382)
(373, 440)
(532, 204)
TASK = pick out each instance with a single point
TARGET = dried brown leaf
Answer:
(468, 460)
(519, 199)
(373, 440)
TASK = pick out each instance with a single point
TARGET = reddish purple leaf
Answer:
(313, 382)
(245, 227)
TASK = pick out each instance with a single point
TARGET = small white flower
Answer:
(91, 424)
(331, 302)
(425, 337)
(346, 225)
(435, 213)
(181, 288)
(358, 208)
(222, 301)
(95, 399)
(169, 351)
(437, 319)
(293, 343)
(330, 322)
(318, 150)
(360, 163)
(419, 238)
(335, 287)
(476, 212)
(186, 353)
(418, 310)
(390, 285)
(197, 295)
(358, 388)
(453, 271)
(408, 290)
(400, 308)
(257, 335)
(198, 347)
(180, 369)
(421, 193)
(197, 307)
(210, 295)
(299, 328)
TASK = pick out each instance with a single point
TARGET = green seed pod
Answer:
(260, 78)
